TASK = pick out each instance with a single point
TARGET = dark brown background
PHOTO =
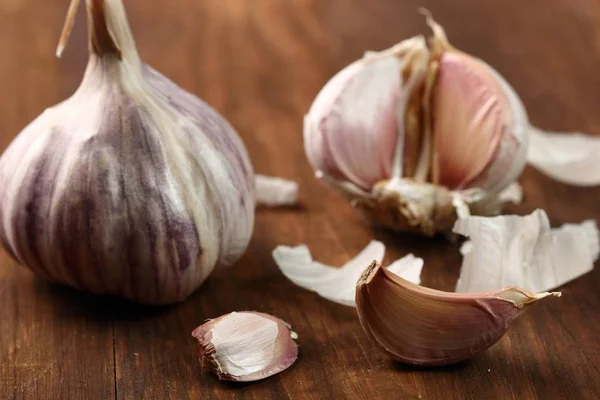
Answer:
(260, 63)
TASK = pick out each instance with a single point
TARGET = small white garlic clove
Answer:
(246, 346)
(355, 128)
(426, 327)
(524, 251)
(338, 284)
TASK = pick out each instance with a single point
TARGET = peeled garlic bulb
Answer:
(459, 129)
(132, 186)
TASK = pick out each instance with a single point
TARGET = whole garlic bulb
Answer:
(417, 136)
(132, 186)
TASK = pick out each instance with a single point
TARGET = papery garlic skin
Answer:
(246, 346)
(421, 326)
(131, 187)
(339, 284)
(524, 251)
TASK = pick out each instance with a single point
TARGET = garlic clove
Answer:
(470, 116)
(338, 284)
(355, 128)
(246, 346)
(479, 124)
(525, 252)
(426, 327)
(571, 158)
(272, 192)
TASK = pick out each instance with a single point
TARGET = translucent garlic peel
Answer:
(571, 158)
(246, 346)
(426, 327)
(338, 284)
(132, 186)
(524, 252)
(513, 193)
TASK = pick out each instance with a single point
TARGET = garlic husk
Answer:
(571, 158)
(338, 284)
(513, 193)
(426, 327)
(525, 252)
(132, 186)
(274, 192)
(246, 346)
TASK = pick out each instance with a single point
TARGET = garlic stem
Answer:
(101, 40)
(68, 27)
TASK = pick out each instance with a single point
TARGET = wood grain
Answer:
(260, 63)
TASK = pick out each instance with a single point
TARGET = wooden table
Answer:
(260, 63)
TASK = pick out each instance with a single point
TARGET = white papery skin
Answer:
(339, 284)
(572, 158)
(131, 187)
(524, 251)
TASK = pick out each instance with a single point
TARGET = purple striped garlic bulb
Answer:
(417, 136)
(132, 186)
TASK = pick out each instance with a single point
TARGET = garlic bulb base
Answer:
(417, 207)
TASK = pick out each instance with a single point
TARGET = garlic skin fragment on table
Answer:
(246, 346)
(132, 186)
(513, 193)
(525, 252)
(274, 192)
(425, 327)
(338, 284)
(571, 158)
(418, 136)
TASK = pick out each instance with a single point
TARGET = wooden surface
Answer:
(260, 63)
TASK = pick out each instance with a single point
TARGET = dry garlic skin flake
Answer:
(132, 186)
